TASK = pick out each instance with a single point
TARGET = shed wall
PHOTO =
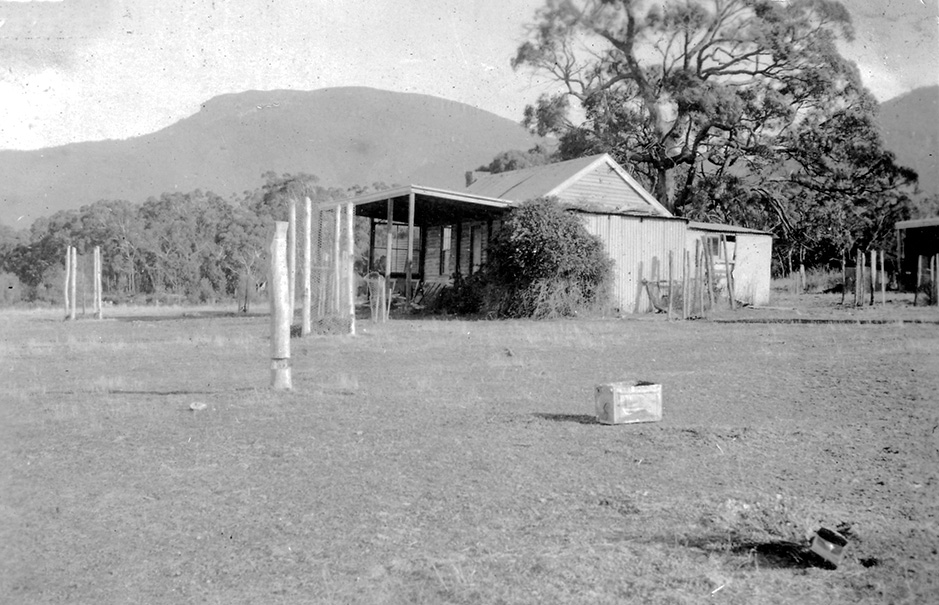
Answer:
(637, 245)
(751, 254)
(753, 267)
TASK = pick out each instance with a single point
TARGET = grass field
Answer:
(460, 462)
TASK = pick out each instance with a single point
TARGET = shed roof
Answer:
(919, 223)
(719, 228)
(553, 179)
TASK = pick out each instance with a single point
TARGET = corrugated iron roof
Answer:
(720, 228)
(918, 223)
(530, 183)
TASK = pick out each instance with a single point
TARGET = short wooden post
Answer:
(350, 264)
(280, 306)
(307, 267)
(73, 289)
(292, 254)
(730, 274)
(670, 265)
(68, 280)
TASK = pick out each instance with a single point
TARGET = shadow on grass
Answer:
(769, 554)
(185, 315)
(578, 418)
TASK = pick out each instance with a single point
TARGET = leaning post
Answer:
(280, 320)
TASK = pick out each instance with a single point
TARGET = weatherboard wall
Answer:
(637, 244)
(604, 187)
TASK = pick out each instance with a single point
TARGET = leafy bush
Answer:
(543, 263)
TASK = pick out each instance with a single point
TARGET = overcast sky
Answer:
(75, 70)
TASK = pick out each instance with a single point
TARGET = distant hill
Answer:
(345, 136)
(910, 126)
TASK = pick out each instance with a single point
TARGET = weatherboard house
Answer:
(436, 233)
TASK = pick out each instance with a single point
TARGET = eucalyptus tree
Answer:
(717, 105)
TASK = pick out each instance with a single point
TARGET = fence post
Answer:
(280, 304)
(291, 254)
(730, 273)
(99, 300)
(883, 280)
(68, 279)
(873, 275)
(350, 263)
(670, 265)
(307, 266)
(73, 291)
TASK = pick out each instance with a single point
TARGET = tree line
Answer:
(196, 246)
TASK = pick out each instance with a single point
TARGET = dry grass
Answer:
(459, 462)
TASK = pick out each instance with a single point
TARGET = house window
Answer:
(446, 234)
(476, 248)
(399, 248)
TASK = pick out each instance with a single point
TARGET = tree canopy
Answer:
(738, 110)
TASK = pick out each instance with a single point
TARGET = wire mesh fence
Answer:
(332, 279)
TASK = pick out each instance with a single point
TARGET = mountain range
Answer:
(345, 136)
(910, 127)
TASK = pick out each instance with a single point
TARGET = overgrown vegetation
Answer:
(541, 263)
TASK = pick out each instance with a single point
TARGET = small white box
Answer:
(627, 402)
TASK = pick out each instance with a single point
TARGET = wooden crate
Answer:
(628, 402)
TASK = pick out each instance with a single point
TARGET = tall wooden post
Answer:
(388, 257)
(883, 280)
(858, 277)
(307, 267)
(292, 254)
(671, 263)
(873, 279)
(68, 280)
(337, 264)
(350, 264)
(408, 263)
(280, 306)
(99, 300)
(684, 285)
(844, 278)
(730, 273)
(933, 272)
(73, 289)
(919, 278)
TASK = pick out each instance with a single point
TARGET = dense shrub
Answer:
(543, 263)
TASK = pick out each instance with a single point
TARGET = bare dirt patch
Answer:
(459, 462)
